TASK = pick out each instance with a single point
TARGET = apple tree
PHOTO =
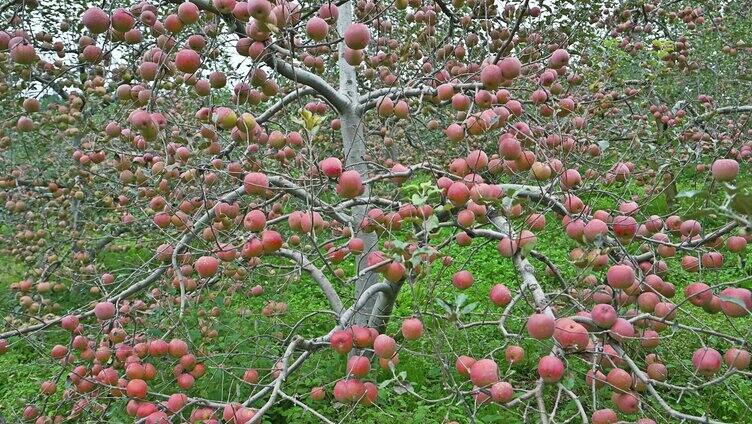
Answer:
(236, 211)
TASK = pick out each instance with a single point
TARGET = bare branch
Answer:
(317, 275)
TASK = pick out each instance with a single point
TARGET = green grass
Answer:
(244, 334)
(19, 365)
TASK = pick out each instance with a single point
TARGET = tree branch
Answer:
(291, 72)
(317, 275)
(122, 295)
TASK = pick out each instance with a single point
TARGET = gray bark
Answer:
(354, 150)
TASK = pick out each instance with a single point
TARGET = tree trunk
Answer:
(354, 150)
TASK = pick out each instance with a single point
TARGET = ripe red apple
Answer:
(706, 361)
(627, 403)
(604, 315)
(698, 294)
(348, 390)
(362, 336)
(59, 351)
(185, 381)
(595, 229)
(412, 329)
(463, 365)
(462, 279)
(502, 392)
(737, 358)
(271, 241)
(735, 301)
(625, 227)
(559, 58)
(507, 247)
(604, 416)
(317, 28)
(318, 394)
(649, 339)
(158, 348)
(622, 330)
(491, 76)
(341, 341)
(455, 132)
(620, 276)
(104, 310)
(599, 380)
(177, 348)
(251, 376)
(484, 372)
(725, 169)
(23, 53)
(384, 346)
(540, 326)
(254, 220)
(357, 36)
(187, 61)
(500, 295)
(206, 266)
(259, 9)
(350, 184)
(619, 379)
(690, 228)
(736, 244)
(255, 183)
(329, 12)
(331, 167)
(510, 67)
(550, 369)
(356, 245)
(514, 354)
(370, 395)
(96, 20)
(657, 371)
(358, 366)
(570, 334)
(137, 388)
(176, 402)
(458, 193)
(70, 322)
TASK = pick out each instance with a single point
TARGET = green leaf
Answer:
(568, 382)
(386, 383)
(446, 306)
(687, 194)
(400, 390)
(410, 187)
(460, 299)
(734, 300)
(418, 200)
(431, 223)
(399, 244)
(468, 308)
